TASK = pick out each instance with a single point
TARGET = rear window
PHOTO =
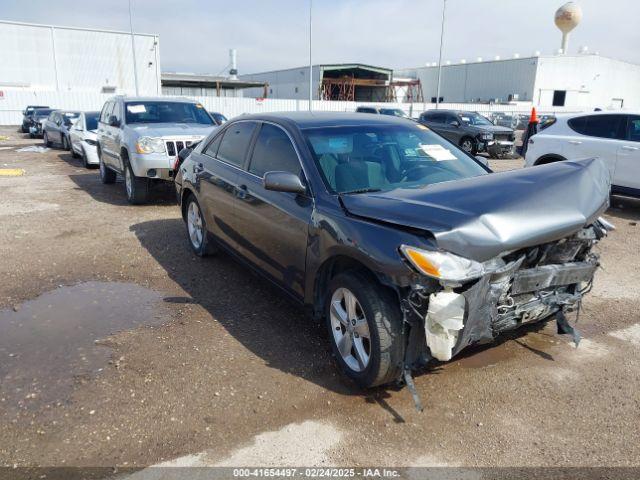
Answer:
(601, 126)
(235, 142)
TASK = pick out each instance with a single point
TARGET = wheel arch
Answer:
(549, 158)
(332, 267)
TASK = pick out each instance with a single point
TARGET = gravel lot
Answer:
(118, 346)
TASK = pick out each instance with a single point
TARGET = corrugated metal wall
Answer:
(40, 57)
(13, 102)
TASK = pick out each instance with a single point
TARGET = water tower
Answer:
(567, 18)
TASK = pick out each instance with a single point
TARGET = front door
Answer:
(272, 227)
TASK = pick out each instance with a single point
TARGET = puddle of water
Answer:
(487, 357)
(48, 344)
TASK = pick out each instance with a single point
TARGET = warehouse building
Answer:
(581, 80)
(51, 58)
(350, 82)
(205, 85)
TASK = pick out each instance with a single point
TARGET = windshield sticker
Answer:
(199, 106)
(466, 119)
(136, 108)
(339, 144)
(422, 127)
(438, 152)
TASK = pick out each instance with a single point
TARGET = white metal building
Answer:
(370, 83)
(581, 81)
(37, 57)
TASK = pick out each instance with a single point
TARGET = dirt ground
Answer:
(118, 346)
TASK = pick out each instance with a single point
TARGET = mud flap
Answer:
(564, 328)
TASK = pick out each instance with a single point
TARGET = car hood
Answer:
(494, 128)
(483, 217)
(171, 129)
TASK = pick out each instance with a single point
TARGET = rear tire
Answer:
(378, 307)
(65, 143)
(137, 188)
(107, 176)
(199, 237)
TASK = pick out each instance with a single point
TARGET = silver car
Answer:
(139, 138)
(83, 137)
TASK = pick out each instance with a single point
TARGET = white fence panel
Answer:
(13, 102)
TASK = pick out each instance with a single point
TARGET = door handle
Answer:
(630, 148)
(575, 142)
(198, 168)
(241, 192)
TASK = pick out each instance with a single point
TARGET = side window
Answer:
(451, 118)
(116, 111)
(106, 111)
(235, 142)
(438, 118)
(212, 148)
(273, 152)
(633, 130)
(52, 117)
(601, 126)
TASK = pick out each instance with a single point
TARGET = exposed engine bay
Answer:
(521, 287)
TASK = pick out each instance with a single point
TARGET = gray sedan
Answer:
(56, 128)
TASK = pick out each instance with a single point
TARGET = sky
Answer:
(195, 35)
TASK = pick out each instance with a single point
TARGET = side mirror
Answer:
(455, 123)
(283, 182)
(482, 160)
(113, 121)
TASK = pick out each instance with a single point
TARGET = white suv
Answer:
(614, 137)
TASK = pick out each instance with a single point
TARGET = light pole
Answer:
(133, 50)
(444, 8)
(310, 58)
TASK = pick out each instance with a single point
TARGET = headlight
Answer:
(442, 265)
(89, 141)
(487, 136)
(150, 145)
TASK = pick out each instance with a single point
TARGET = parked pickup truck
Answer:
(140, 137)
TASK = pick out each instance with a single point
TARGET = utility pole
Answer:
(310, 58)
(444, 8)
(133, 50)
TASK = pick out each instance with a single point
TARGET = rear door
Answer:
(272, 227)
(597, 136)
(217, 169)
(627, 172)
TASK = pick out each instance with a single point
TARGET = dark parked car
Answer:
(26, 116)
(407, 247)
(56, 129)
(470, 131)
(37, 119)
(394, 112)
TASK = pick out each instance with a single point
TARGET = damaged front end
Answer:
(521, 287)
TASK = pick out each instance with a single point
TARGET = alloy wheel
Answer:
(350, 329)
(467, 146)
(195, 225)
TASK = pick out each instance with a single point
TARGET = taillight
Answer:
(176, 163)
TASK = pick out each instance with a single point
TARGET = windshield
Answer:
(396, 112)
(92, 120)
(473, 118)
(383, 157)
(70, 117)
(42, 112)
(166, 112)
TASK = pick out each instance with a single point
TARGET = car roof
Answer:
(326, 119)
(126, 98)
(566, 116)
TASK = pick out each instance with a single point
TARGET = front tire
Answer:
(137, 188)
(45, 139)
(365, 329)
(197, 233)
(65, 143)
(468, 145)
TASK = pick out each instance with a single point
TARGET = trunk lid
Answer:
(484, 216)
